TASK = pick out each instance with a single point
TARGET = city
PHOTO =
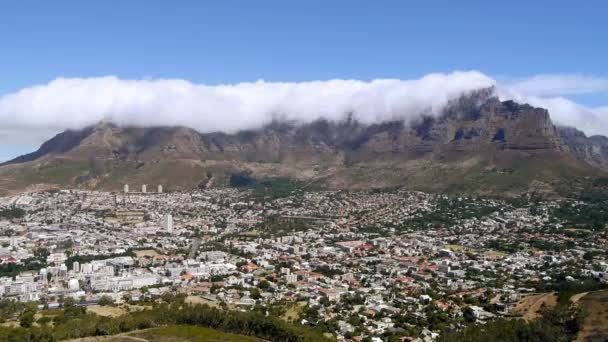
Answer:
(358, 263)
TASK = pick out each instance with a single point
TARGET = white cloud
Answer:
(33, 114)
(77, 102)
(563, 111)
(559, 84)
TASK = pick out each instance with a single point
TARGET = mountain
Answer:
(478, 144)
(593, 149)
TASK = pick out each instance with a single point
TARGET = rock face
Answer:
(593, 149)
(476, 139)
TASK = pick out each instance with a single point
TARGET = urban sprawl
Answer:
(360, 263)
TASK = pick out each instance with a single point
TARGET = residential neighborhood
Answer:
(357, 264)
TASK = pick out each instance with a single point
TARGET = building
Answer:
(143, 188)
(126, 188)
(168, 223)
(73, 285)
(56, 258)
(291, 278)
(160, 189)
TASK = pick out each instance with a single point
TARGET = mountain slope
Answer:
(479, 144)
(593, 149)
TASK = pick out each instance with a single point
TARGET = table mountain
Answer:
(478, 144)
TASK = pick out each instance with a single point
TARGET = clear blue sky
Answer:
(233, 41)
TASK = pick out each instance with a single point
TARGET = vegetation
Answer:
(268, 188)
(12, 213)
(559, 324)
(275, 225)
(591, 214)
(328, 271)
(448, 211)
(74, 322)
(187, 333)
(12, 270)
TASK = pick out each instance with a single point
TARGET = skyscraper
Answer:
(168, 223)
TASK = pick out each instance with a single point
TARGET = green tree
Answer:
(106, 300)
(41, 254)
(255, 293)
(27, 318)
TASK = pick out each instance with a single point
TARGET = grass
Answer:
(293, 312)
(58, 171)
(495, 254)
(187, 333)
(595, 325)
(454, 248)
(530, 306)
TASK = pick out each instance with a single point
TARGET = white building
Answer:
(168, 223)
(73, 285)
(126, 188)
(160, 189)
(56, 258)
(123, 283)
(291, 278)
(143, 188)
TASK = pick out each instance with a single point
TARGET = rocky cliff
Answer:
(593, 149)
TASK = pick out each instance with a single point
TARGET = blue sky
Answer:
(236, 41)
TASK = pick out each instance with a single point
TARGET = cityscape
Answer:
(304, 171)
(357, 263)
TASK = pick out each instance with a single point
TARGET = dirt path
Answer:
(577, 297)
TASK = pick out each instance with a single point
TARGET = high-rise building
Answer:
(160, 189)
(76, 267)
(126, 188)
(143, 188)
(168, 223)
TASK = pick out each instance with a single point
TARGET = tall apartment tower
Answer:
(126, 188)
(76, 267)
(168, 223)
(160, 189)
(143, 188)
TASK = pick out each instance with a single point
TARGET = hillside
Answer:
(478, 144)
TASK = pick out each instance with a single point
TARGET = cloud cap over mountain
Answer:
(64, 103)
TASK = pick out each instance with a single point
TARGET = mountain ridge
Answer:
(477, 141)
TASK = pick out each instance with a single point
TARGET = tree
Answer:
(27, 317)
(41, 254)
(44, 320)
(255, 293)
(126, 297)
(588, 256)
(106, 300)
(264, 285)
(70, 310)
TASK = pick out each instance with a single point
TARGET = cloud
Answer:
(33, 114)
(563, 111)
(559, 84)
(77, 102)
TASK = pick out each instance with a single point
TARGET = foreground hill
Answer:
(175, 333)
(479, 144)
